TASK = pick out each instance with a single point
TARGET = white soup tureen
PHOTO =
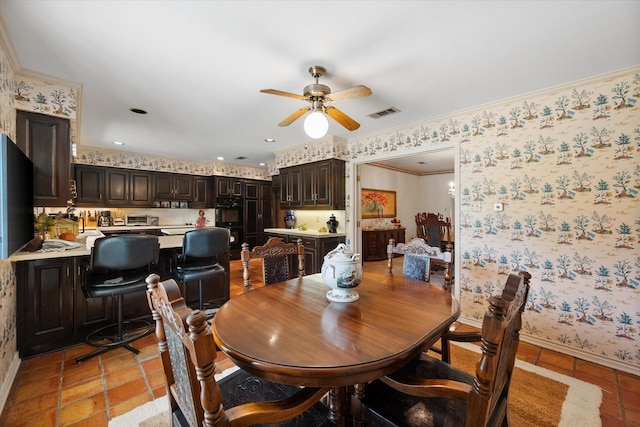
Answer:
(342, 272)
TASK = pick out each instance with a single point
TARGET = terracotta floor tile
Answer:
(127, 405)
(563, 361)
(37, 388)
(32, 407)
(555, 368)
(38, 373)
(47, 419)
(80, 390)
(73, 352)
(40, 361)
(632, 416)
(127, 391)
(82, 409)
(629, 382)
(96, 420)
(71, 364)
(116, 363)
(611, 407)
(74, 376)
(152, 365)
(116, 352)
(607, 382)
(116, 378)
(156, 379)
(148, 352)
(609, 421)
(630, 399)
(159, 392)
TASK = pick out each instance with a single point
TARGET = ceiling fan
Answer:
(317, 95)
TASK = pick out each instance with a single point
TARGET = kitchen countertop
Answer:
(305, 233)
(166, 242)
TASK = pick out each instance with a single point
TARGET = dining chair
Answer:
(199, 259)
(417, 258)
(275, 255)
(188, 354)
(428, 391)
(117, 267)
(436, 231)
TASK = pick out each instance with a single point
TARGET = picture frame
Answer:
(184, 205)
(165, 204)
(378, 203)
(175, 205)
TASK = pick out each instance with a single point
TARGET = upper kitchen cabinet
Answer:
(202, 192)
(228, 187)
(318, 185)
(291, 187)
(323, 185)
(100, 186)
(170, 186)
(46, 141)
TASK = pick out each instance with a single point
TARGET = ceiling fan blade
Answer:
(342, 118)
(292, 118)
(353, 92)
(282, 93)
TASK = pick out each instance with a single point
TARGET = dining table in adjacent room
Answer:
(290, 333)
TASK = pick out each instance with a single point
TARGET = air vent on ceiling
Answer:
(390, 110)
(241, 158)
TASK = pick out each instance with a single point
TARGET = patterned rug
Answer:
(538, 397)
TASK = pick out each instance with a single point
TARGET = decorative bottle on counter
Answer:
(332, 224)
(290, 219)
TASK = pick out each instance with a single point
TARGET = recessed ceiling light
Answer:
(137, 110)
(118, 142)
(220, 158)
(269, 140)
(262, 164)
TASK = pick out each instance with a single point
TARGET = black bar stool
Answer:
(199, 258)
(119, 266)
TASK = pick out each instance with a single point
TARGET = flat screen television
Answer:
(16, 198)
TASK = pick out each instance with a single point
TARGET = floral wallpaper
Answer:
(330, 147)
(564, 164)
(122, 159)
(8, 341)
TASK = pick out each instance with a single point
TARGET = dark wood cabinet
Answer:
(89, 185)
(318, 185)
(315, 248)
(258, 211)
(201, 192)
(228, 186)
(169, 186)
(47, 142)
(114, 187)
(374, 242)
(291, 187)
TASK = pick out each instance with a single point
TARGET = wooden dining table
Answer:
(290, 333)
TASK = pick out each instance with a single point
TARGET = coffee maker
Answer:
(105, 219)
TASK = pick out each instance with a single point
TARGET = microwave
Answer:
(141, 220)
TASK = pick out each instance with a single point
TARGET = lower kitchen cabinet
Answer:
(53, 313)
(374, 243)
(315, 248)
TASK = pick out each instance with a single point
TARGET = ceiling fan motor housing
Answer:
(316, 89)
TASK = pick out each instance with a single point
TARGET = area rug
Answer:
(538, 397)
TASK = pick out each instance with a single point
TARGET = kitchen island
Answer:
(52, 311)
(316, 244)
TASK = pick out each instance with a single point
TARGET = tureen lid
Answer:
(341, 253)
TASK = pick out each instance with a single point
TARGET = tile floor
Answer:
(52, 390)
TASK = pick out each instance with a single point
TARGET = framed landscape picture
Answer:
(378, 203)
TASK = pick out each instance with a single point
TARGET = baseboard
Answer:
(8, 380)
(571, 351)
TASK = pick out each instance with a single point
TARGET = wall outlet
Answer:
(498, 207)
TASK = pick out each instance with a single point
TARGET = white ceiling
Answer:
(197, 66)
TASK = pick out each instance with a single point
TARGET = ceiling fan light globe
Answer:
(316, 125)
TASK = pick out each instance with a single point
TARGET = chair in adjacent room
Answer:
(199, 260)
(417, 259)
(429, 389)
(118, 267)
(275, 255)
(188, 354)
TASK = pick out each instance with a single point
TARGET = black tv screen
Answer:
(16, 198)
